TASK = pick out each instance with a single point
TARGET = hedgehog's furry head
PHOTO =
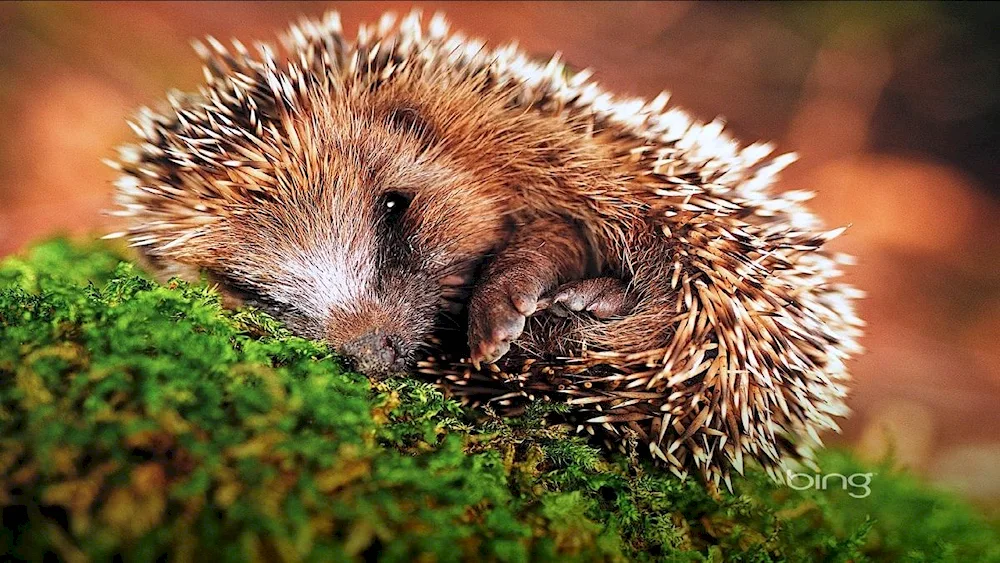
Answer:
(304, 198)
(393, 232)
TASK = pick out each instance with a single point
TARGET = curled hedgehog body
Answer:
(605, 252)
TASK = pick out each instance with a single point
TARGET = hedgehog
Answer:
(506, 228)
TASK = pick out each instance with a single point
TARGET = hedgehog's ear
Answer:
(410, 121)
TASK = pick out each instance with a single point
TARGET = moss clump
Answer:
(147, 421)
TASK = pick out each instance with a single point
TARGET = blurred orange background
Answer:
(893, 108)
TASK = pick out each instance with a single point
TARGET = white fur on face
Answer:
(326, 277)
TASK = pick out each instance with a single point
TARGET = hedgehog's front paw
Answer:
(601, 297)
(497, 312)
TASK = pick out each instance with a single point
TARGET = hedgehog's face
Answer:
(381, 239)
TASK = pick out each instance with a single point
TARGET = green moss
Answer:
(146, 420)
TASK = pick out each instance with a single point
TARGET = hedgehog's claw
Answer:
(601, 297)
(497, 315)
(492, 330)
(490, 353)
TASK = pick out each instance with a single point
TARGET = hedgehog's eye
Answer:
(394, 204)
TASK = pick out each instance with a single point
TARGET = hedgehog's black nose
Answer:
(376, 353)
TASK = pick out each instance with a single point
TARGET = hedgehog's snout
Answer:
(376, 353)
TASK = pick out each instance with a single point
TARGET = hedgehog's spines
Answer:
(755, 333)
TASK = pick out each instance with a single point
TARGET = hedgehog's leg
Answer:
(542, 255)
(601, 297)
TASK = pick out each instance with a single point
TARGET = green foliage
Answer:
(145, 420)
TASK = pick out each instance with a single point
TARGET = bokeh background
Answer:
(893, 108)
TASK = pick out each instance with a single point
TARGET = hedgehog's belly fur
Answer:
(577, 359)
